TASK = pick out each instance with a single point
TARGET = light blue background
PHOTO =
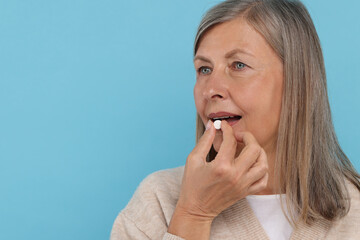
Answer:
(95, 95)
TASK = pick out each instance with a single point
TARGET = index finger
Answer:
(251, 152)
(228, 146)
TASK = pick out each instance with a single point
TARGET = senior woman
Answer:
(275, 170)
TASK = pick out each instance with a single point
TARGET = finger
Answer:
(246, 138)
(259, 169)
(259, 185)
(204, 144)
(248, 157)
(262, 159)
(256, 173)
(228, 146)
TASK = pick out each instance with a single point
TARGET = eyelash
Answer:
(235, 63)
(201, 68)
(233, 66)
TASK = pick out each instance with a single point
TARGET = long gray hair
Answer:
(311, 167)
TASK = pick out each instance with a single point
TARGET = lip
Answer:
(231, 122)
(221, 114)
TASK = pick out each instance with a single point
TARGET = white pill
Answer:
(217, 124)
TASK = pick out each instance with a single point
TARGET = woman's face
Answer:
(239, 76)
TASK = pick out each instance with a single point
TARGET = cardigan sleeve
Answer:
(169, 236)
(126, 229)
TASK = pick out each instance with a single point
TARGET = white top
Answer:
(267, 209)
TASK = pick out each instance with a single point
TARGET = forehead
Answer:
(227, 36)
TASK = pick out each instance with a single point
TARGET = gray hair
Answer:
(310, 163)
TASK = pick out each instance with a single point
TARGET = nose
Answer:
(216, 86)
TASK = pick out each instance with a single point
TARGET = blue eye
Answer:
(239, 65)
(204, 70)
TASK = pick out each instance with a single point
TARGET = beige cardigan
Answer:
(149, 212)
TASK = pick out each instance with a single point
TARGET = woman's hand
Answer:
(208, 188)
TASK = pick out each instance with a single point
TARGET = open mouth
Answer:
(230, 119)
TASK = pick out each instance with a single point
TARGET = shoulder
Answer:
(149, 211)
(348, 226)
(153, 203)
(163, 179)
(354, 195)
(163, 186)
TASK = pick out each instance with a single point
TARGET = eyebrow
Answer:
(202, 59)
(237, 50)
(227, 55)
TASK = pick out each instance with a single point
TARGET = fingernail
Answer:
(208, 125)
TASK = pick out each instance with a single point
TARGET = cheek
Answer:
(260, 103)
(199, 101)
(270, 105)
(265, 120)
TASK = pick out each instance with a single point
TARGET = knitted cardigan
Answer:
(148, 214)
